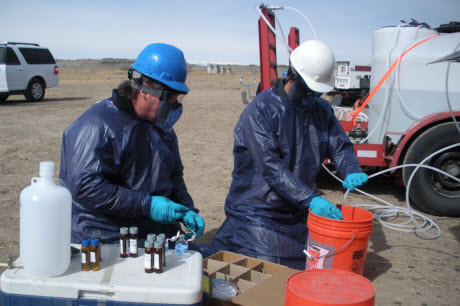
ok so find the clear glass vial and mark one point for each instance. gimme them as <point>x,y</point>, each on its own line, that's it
<point>181,247</point>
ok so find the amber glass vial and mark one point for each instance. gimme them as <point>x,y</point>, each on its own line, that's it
<point>133,252</point>
<point>94,249</point>
<point>158,257</point>
<point>97,234</point>
<point>85,255</point>
<point>124,242</point>
<point>148,260</point>
<point>162,239</point>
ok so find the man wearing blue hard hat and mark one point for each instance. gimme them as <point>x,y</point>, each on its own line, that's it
<point>280,142</point>
<point>120,159</point>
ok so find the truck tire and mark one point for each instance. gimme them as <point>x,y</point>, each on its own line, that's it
<point>35,91</point>
<point>431,191</point>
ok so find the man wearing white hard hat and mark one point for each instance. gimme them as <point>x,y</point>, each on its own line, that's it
<point>280,142</point>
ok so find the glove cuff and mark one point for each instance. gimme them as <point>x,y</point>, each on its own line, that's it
<point>145,203</point>
<point>306,203</point>
<point>314,200</point>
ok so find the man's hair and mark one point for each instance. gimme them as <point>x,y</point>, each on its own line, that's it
<point>126,89</point>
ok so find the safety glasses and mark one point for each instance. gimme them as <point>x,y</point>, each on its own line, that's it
<point>171,96</point>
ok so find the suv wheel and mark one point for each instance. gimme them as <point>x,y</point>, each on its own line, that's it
<point>3,98</point>
<point>35,91</point>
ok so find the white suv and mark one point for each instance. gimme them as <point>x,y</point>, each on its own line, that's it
<point>26,69</point>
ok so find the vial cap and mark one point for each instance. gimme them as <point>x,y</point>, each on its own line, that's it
<point>133,230</point>
<point>46,169</point>
<point>160,238</point>
<point>148,244</point>
<point>94,242</point>
<point>151,237</point>
<point>85,242</point>
<point>124,230</point>
<point>158,245</point>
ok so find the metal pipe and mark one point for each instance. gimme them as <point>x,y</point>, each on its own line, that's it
<point>10,264</point>
<point>6,265</point>
<point>248,85</point>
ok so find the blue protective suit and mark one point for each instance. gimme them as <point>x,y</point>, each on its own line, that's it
<point>113,162</point>
<point>279,146</point>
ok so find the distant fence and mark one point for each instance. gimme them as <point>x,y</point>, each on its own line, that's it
<point>125,64</point>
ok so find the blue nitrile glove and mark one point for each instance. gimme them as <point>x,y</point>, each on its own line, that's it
<point>354,180</point>
<point>322,207</point>
<point>194,222</point>
<point>166,211</point>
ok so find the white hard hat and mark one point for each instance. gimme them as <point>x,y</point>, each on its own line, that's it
<point>314,62</point>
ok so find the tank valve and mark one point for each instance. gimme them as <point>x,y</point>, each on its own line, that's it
<point>358,132</point>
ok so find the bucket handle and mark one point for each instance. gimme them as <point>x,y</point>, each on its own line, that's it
<point>327,255</point>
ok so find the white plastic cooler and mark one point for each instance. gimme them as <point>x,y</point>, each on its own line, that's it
<point>119,281</point>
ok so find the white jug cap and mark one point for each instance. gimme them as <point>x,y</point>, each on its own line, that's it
<point>46,169</point>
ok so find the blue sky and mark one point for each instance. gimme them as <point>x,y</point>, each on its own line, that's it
<point>210,31</point>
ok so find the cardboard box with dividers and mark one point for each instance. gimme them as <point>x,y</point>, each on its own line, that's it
<point>259,282</point>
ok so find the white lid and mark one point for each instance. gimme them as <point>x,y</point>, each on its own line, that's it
<point>46,169</point>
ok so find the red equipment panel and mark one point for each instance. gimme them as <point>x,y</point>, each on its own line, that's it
<point>293,38</point>
<point>370,154</point>
<point>267,50</point>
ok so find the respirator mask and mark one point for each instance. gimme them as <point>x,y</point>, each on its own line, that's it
<point>163,111</point>
<point>300,92</point>
<point>167,115</point>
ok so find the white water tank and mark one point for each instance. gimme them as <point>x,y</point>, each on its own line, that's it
<point>422,87</point>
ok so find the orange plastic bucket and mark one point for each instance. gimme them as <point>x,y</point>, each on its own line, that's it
<point>339,244</point>
<point>328,287</point>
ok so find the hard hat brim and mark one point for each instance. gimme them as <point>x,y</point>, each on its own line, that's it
<point>181,87</point>
<point>316,86</point>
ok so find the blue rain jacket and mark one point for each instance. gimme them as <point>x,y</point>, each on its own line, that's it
<point>279,146</point>
<point>112,163</point>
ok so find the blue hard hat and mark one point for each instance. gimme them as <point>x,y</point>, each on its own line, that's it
<point>165,64</point>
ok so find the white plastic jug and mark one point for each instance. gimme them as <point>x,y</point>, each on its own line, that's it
<point>45,216</point>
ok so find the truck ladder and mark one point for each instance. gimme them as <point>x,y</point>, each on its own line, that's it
<point>293,38</point>
<point>267,50</point>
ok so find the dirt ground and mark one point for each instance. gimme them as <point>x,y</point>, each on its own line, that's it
<point>406,268</point>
